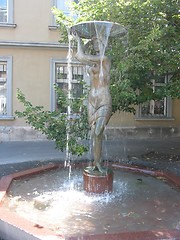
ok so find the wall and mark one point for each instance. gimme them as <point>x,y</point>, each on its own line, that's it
<point>32,19</point>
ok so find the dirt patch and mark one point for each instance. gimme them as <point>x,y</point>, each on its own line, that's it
<point>156,156</point>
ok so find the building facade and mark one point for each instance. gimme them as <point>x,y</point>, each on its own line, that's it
<point>33,60</point>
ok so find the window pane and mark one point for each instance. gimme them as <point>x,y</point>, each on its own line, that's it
<point>62,81</point>
<point>61,73</point>
<point>3,89</point>
<point>3,11</point>
<point>156,108</point>
<point>64,87</point>
<point>77,73</point>
<point>77,89</point>
<point>63,5</point>
<point>159,108</point>
<point>161,79</point>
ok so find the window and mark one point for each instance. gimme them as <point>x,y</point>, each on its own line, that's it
<point>64,6</point>
<point>59,77</point>
<point>155,109</point>
<point>6,12</point>
<point>3,11</point>
<point>5,87</point>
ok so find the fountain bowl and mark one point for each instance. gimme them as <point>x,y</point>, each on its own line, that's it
<point>88,29</point>
<point>14,227</point>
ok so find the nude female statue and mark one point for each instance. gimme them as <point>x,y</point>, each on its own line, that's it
<point>99,99</point>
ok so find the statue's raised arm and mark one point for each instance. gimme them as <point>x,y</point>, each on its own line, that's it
<point>81,47</point>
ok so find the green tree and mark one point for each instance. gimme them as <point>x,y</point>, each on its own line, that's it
<point>150,50</point>
<point>57,125</point>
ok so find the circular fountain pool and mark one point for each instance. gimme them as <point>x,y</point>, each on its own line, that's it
<point>56,200</point>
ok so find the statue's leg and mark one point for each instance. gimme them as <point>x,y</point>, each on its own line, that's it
<point>97,150</point>
<point>97,143</point>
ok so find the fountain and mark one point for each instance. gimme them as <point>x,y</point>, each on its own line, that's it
<point>43,203</point>
<point>98,202</point>
<point>97,179</point>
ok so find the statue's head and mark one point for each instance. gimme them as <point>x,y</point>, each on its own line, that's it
<point>98,44</point>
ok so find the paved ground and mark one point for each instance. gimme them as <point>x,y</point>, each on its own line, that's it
<point>152,153</point>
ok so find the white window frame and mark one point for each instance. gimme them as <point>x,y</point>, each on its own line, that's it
<point>167,101</point>
<point>53,63</point>
<point>8,115</point>
<point>10,15</point>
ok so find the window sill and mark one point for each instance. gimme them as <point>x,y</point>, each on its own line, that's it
<point>53,27</point>
<point>6,118</point>
<point>155,119</point>
<point>8,25</point>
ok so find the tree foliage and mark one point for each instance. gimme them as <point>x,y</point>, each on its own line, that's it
<point>150,50</point>
<point>57,125</point>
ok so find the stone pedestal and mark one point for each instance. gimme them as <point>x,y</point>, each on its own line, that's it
<point>96,182</point>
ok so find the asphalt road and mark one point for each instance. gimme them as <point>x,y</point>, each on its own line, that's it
<point>152,153</point>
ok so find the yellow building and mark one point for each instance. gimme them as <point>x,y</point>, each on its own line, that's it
<point>32,59</point>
